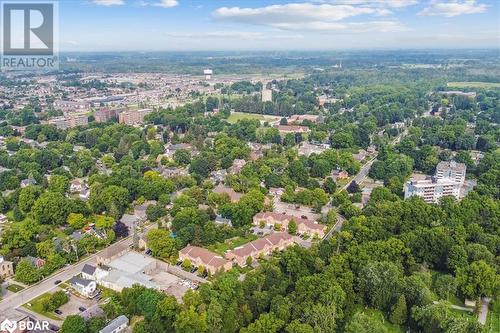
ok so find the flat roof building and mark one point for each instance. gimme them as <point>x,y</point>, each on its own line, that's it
<point>432,189</point>
<point>451,170</point>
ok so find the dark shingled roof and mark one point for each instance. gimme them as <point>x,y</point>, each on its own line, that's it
<point>88,269</point>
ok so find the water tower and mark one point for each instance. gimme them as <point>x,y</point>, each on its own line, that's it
<point>208,74</point>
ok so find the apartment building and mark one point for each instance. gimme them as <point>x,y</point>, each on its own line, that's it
<point>451,170</point>
<point>304,226</point>
<point>69,121</point>
<point>133,117</point>
<point>199,256</point>
<point>432,189</point>
<point>105,115</point>
<point>277,241</point>
<point>447,181</point>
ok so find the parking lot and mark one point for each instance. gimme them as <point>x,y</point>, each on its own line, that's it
<point>74,304</point>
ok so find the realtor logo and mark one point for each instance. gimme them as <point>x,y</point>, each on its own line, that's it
<point>29,35</point>
<point>24,325</point>
<point>8,326</point>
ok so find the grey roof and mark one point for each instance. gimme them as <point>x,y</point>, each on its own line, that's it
<point>28,181</point>
<point>129,220</point>
<point>76,235</point>
<point>114,324</point>
<point>88,269</point>
<point>80,281</point>
<point>131,262</point>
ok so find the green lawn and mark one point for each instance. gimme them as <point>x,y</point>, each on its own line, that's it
<point>235,116</point>
<point>15,288</point>
<point>474,84</point>
<point>36,306</point>
<point>221,248</point>
<point>493,321</point>
<point>373,313</point>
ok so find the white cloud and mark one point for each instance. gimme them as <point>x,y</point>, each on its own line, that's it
<point>383,3</point>
<point>166,3</point>
<point>351,27</point>
<point>453,8</point>
<point>109,2</point>
<point>293,12</point>
<point>310,17</point>
<point>231,35</point>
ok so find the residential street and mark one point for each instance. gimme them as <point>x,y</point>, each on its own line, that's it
<point>9,304</point>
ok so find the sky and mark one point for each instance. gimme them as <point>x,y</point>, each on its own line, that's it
<point>196,25</point>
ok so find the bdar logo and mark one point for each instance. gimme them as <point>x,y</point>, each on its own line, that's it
<point>8,326</point>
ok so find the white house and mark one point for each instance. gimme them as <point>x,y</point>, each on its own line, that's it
<point>84,287</point>
<point>117,325</point>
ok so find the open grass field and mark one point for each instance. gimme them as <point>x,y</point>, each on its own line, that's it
<point>35,305</point>
<point>235,116</point>
<point>474,84</point>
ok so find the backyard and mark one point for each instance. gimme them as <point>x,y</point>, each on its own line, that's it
<point>230,244</point>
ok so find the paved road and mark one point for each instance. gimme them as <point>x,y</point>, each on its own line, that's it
<point>483,312</point>
<point>9,304</point>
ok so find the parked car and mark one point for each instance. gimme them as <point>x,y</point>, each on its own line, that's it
<point>57,281</point>
<point>59,312</point>
<point>53,328</point>
<point>81,308</point>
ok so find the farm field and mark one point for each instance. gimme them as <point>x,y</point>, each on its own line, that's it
<point>474,84</point>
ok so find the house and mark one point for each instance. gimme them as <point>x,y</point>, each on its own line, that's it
<point>199,256</point>
<point>361,155</point>
<point>83,286</point>
<point>304,226</point>
<point>76,186</point>
<point>219,220</point>
<point>277,241</point>
<point>84,194</point>
<point>130,221</point>
<point>233,195</point>
<point>339,174</point>
<point>172,148</point>
<point>306,149</point>
<point>88,272</point>
<point>76,235</point>
<point>218,176</point>
<point>6,268</point>
<point>238,164</point>
<point>140,210</point>
<point>27,182</point>
<point>173,172</point>
<point>117,325</point>
<point>37,262</point>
